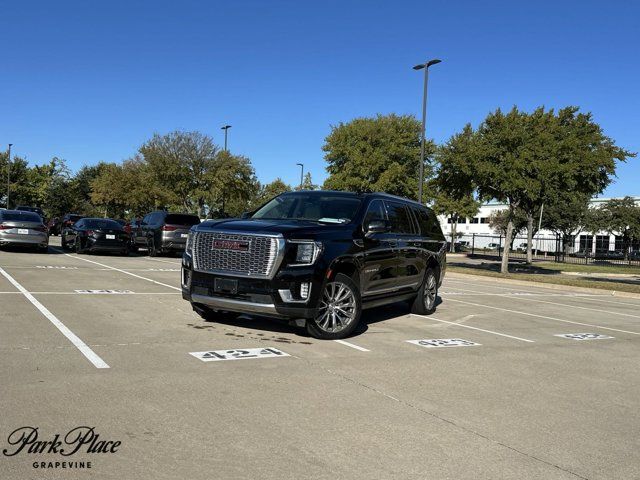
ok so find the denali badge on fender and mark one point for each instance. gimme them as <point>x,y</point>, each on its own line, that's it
<point>239,245</point>
<point>317,258</point>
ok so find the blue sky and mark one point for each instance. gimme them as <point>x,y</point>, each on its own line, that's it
<point>90,81</point>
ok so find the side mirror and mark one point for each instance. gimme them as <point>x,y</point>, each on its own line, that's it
<point>245,215</point>
<point>378,226</point>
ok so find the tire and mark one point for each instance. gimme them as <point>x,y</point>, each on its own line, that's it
<point>125,252</point>
<point>151,248</point>
<point>338,311</point>
<point>65,245</point>
<point>43,249</point>
<point>425,301</point>
<point>78,245</point>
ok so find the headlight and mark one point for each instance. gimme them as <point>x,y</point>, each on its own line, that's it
<point>306,253</point>
<point>189,246</point>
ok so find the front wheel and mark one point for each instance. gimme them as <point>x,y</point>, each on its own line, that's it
<point>338,311</point>
<point>425,301</point>
<point>78,243</point>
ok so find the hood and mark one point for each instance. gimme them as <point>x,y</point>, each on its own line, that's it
<point>288,228</point>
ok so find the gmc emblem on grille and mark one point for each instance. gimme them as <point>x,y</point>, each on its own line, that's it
<point>238,245</point>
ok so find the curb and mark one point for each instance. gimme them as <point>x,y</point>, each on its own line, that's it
<point>550,286</point>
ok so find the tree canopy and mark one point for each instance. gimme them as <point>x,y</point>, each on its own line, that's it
<point>376,154</point>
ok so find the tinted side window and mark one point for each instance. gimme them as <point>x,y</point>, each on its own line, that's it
<point>399,217</point>
<point>79,224</point>
<point>425,223</point>
<point>375,211</point>
<point>429,224</point>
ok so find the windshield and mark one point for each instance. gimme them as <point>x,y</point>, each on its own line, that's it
<point>325,208</point>
<point>20,217</point>
<point>102,224</point>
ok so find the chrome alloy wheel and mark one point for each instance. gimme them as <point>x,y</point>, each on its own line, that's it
<point>337,308</point>
<point>430,291</point>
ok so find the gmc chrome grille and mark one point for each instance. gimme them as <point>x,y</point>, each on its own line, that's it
<point>258,260</point>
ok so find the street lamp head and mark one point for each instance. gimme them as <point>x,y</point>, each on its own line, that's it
<point>225,127</point>
<point>300,164</point>
<point>428,64</point>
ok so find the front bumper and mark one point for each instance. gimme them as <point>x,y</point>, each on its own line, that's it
<point>255,296</point>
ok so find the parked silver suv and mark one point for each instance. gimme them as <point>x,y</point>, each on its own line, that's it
<point>162,232</point>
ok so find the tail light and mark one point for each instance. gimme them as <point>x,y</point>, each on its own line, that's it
<point>90,232</point>
<point>5,227</point>
<point>169,228</point>
<point>41,228</point>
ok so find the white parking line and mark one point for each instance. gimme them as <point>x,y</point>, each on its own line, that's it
<point>524,296</point>
<point>121,271</point>
<point>473,328</point>
<point>580,307</point>
<point>357,347</point>
<point>542,316</point>
<point>72,337</point>
<point>80,293</point>
<point>177,262</point>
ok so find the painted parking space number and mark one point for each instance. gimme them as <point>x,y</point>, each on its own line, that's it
<point>104,292</point>
<point>584,336</point>
<point>443,342</point>
<point>239,354</point>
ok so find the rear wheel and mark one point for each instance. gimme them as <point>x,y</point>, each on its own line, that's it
<point>65,245</point>
<point>338,311</point>
<point>425,301</point>
<point>151,248</point>
<point>78,245</point>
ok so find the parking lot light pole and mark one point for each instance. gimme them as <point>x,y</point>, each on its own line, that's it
<point>424,66</point>
<point>301,173</point>
<point>225,128</point>
<point>8,174</point>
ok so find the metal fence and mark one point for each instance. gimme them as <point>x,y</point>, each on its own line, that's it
<point>580,249</point>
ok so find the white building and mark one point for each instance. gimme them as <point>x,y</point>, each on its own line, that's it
<point>478,230</point>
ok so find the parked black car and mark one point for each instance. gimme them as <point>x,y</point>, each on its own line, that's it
<point>318,258</point>
<point>162,232</point>
<point>95,235</point>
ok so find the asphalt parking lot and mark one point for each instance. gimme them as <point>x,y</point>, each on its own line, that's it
<point>107,342</point>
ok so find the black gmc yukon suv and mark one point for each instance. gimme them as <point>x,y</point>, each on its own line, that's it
<point>318,258</point>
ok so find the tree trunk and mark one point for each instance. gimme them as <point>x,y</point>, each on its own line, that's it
<point>505,252</point>
<point>454,228</point>
<point>529,239</point>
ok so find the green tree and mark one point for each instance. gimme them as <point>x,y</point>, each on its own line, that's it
<point>268,191</point>
<point>566,215</point>
<point>233,185</point>
<point>452,187</point>
<point>376,154</point>
<point>182,163</point>
<point>620,217</point>
<point>109,190</point>
<point>307,183</point>
<point>525,159</point>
